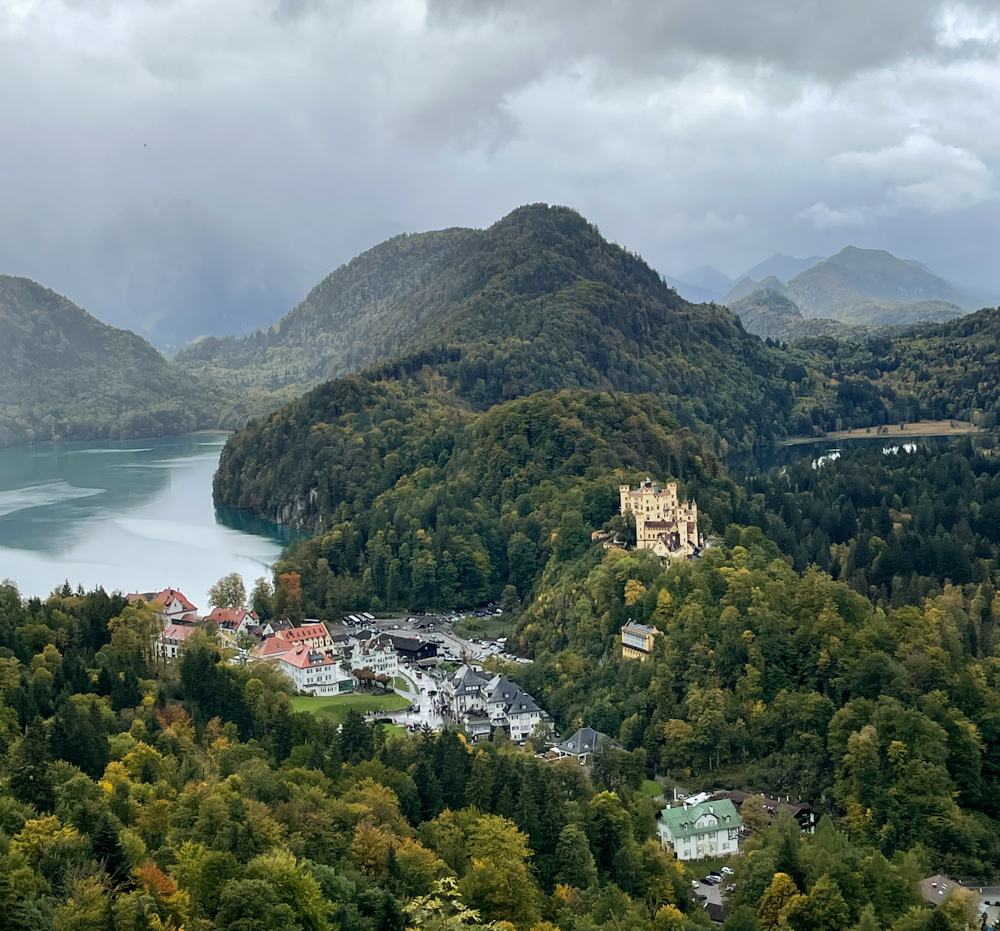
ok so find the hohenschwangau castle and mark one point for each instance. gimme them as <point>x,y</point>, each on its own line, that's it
<point>662,523</point>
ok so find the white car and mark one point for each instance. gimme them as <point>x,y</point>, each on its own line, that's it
<point>695,884</point>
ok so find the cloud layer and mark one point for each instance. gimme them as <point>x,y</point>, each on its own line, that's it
<point>695,132</point>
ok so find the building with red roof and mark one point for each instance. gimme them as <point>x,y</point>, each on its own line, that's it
<point>232,620</point>
<point>313,634</point>
<point>172,604</point>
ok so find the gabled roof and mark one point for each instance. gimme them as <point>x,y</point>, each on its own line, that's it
<point>937,887</point>
<point>306,632</point>
<point>380,643</point>
<point>178,632</point>
<point>523,703</point>
<point>303,658</point>
<point>230,615</point>
<point>504,691</point>
<point>683,821</point>
<point>585,740</point>
<point>169,594</point>
<point>273,647</point>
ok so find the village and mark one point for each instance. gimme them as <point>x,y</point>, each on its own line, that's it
<point>445,680</point>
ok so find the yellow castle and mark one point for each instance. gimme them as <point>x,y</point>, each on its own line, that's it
<point>663,524</point>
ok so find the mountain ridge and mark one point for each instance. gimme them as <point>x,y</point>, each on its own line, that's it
<point>65,375</point>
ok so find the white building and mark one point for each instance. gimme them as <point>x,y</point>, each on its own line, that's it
<point>171,642</point>
<point>377,654</point>
<point>314,672</point>
<point>485,703</point>
<point>708,829</point>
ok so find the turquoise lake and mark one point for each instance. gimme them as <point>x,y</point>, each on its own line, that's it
<point>134,515</point>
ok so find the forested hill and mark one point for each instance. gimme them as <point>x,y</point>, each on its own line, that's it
<point>537,301</point>
<point>64,375</point>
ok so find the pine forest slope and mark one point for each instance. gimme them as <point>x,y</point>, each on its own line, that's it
<point>538,301</point>
<point>64,375</point>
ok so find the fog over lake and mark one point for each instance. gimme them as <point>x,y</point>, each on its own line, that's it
<point>134,515</point>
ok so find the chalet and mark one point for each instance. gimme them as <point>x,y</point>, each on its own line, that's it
<point>413,650</point>
<point>637,640</point>
<point>708,829</point>
<point>314,672</point>
<point>581,745</point>
<point>170,644</point>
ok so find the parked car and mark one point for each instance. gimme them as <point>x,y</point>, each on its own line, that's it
<point>695,884</point>
<point>727,871</point>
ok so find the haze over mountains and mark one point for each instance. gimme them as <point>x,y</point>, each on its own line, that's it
<point>172,273</point>
<point>537,301</point>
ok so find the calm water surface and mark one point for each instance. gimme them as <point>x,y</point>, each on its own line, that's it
<point>134,515</point>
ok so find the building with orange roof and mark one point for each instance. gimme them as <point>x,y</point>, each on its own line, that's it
<point>313,634</point>
<point>314,672</point>
<point>171,603</point>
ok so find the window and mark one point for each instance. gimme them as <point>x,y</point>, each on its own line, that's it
<point>725,845</point>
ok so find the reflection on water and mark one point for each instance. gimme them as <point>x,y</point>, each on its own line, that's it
<point>130,515</point>
<point>245,522</point>
<point>768,457</point>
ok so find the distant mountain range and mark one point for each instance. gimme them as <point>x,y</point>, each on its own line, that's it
<point>858,286</point>
<point>866,287</point>
<point>172,273</point>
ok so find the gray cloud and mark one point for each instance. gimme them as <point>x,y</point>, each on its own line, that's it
<point>695,132</point>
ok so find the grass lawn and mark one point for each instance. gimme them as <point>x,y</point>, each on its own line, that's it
<point>482,628</point>
<point>393,731</point>
<point>399,682</point>
<point>337,706</point>
<point>651,788</point>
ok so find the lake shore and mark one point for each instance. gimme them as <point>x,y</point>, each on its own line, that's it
<point>920,428</point>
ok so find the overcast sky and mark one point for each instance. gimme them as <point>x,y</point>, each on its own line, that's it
<point>693,131</point>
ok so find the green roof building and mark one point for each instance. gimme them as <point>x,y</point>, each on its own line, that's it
<point>710,829</point>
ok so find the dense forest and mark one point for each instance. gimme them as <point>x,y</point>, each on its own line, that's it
<point>66,376</point>
<point>538,301</point>
<point>420,503</point>
<point>142,796</point>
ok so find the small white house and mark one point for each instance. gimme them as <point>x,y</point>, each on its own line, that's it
<point>171,642</point>
<point>708,829</point>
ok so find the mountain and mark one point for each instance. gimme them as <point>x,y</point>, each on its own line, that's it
<point>537,301</point>
<point>175,273</point>
<point>781,267</point>
<point>746,286</point>
<point>709,278</point>
<point>64,375</point>
<point>835,287</point>
<point>691,292</point>
<point>769,314</point>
